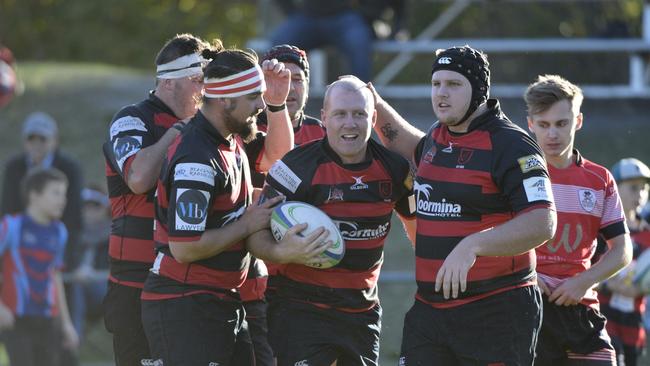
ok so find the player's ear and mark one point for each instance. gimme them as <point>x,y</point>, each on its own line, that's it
<point>530,124</point>
<point>579,119</point>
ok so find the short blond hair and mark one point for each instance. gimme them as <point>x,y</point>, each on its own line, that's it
<point>550,89</point>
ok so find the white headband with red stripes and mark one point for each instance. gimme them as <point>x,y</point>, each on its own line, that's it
<point>242,83</point>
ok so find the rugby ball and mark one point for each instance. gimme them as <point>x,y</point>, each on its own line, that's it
<point>290,213</point>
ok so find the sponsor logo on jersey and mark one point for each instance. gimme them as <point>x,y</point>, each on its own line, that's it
<point>285,176</point>
<point>335,194</point>
<point>587,198</point>
<point>386,188</point>
<point>358,184</point>
<point>538,189</point>
<point>442,208</point>
<point>428,157</point>
<point>351,230</point>
<point>531,162</point>
<point>194,172</point>
<point>444,60</point>
<point>127,123</point>
<point>191,209</point>
<point>464,157</point>
<point>402,361</point>
<point>301,363</point>
<point>449,149</point>
<point>124,147</point>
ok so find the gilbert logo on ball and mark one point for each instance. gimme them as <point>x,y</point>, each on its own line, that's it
<point>291,213</point>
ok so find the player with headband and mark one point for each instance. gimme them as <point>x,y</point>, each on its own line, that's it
<point>138,139</point>
<point>191,309</point>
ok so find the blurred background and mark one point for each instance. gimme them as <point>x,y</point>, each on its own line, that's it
<point>82,60</point>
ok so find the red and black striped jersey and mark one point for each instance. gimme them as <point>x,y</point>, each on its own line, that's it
<point>625,314</point>
<point>131,248</point>
<point>470,182</point>
<point>360,198</point>
<point>308,129</point>
<point>587,203</point>
<point>204,184</point>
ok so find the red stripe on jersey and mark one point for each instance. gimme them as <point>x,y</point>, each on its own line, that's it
<point>463,176</point>
<point>357,209</point>
<point>630,335</point>
<point>308,133</point>
<point>130,249</point>
<point>165,120</point>
<point>131,205</point>
<point>126,283</point>
<point>195,274</point>
<point>331,173</point>
<point>156,296</point>
<point>253,288</point>
<point>333,277</point>
<point>477,140</point>
<point>485,268</point>
<point>461,228</point>
<point>9,290</point>
<point>467,300</point>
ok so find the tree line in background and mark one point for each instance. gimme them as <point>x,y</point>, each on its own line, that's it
<point>129,32</point>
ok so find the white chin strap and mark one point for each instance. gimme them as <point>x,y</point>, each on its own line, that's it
<point>242,83</point>
<point>183,66</point>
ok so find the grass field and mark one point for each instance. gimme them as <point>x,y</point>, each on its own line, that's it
<point>84,97</point>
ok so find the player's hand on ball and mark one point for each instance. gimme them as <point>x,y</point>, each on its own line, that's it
<point>257,216</point>
<point>307,249</point>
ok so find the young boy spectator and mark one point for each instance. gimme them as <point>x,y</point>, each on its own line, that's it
<point>33,308</point>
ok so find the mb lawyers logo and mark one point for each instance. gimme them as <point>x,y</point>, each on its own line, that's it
<point>191,209</point>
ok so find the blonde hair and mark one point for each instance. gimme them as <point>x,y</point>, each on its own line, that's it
<point>549,89</point>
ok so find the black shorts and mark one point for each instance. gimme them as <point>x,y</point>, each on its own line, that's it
<point>576,329</point>
<point>197,330</point>
<point>259,329</point>
<point>122,319</point>
<point>498,330</point>
<point>304,334</point>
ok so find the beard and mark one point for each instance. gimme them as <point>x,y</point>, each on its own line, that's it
<point>244,129</point>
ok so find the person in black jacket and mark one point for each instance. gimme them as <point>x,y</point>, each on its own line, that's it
<point>40,150</point>
<point>40,138</point>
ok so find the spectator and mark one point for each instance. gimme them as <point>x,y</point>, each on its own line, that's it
<point>33,308</point>
<point>317,23</point>
<point>621,302</point>
<point>40,136</point>
<point>90,285</point>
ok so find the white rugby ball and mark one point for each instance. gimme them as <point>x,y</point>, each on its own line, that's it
<point>642,272</point>
<point>290,213</point>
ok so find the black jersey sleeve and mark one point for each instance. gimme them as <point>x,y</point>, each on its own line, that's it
<point>129,132</point>
<point>519,170</point>
<point>193,183</point>
<point>417,154</point>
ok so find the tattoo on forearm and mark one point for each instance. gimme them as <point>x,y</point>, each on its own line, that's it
<point>389,133</point>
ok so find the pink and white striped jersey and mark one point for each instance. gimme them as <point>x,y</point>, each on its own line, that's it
<point>588,204</point>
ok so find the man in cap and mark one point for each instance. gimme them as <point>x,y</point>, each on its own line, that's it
<point>588,205</point>
<point>40,150</point>
<point>622,302</point>
<point>484,203</point>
